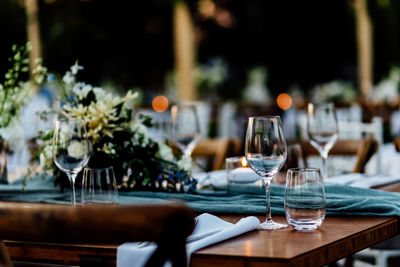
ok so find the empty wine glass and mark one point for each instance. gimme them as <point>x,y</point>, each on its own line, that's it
<point>266,152</point>
<point>185,129</point>
<point>70,149</point>
<point>322,130</point>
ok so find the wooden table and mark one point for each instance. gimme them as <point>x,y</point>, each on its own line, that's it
<point>337,238</point>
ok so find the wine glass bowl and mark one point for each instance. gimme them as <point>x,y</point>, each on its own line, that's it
<point>266,153</point>
<point>322,130</point>
<point>71,149</point>
<point>185,129</point>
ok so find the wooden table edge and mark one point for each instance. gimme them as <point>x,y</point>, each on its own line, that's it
<point>75,253</point>
<point>69,254</point>
<point>333,252</point>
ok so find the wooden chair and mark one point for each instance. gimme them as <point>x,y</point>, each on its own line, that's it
<point>217,149</point>
<point>363,149</point>
<point>396,143</point>
<point>167,225</point>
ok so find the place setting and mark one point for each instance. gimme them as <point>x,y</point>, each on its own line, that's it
<point>199,133</point>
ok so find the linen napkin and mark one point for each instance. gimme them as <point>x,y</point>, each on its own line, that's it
<point>364,181</point>
<point>209,230</point>
<point>214,179</point>
<point>375,180</point>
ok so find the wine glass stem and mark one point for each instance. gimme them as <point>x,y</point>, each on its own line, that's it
<point>267,182</point>
<point>72,177</point>
<point>324,166</point>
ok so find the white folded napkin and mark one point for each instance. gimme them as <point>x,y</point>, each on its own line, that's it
<point>346,178</point>
<point>362,180</point>
<point>216,179</point>
<point>375,180</point>
<point>209,230</point>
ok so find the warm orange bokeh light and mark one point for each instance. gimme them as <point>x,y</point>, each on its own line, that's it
<point>207,8</point>
<point>244,162</point>
<point>160,103</point>
<point>284,101</point>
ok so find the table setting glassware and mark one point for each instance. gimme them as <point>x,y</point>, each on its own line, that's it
<point>305,206</point>
<point>185,128</point>
<point>266,153</point>
<point>99,186</point>
<point>322,130</point>
<point>71,149</point>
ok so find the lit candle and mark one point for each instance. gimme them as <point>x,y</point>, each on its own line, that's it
<point>243,174</point>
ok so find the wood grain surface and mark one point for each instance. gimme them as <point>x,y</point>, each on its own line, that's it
<point>337,238</point>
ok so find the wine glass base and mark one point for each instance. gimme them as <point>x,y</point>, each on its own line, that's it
<point>271,225</point>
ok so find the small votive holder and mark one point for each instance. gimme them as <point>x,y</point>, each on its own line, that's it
<point>241,178</point>
<point>305,206</point>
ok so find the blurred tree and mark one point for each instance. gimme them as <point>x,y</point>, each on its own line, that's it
<point>300,42</point>
<point>130,43</point>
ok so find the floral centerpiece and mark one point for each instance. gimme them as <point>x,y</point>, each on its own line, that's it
<point>339,92</point>
<point>15,92</point>
<point>139,162</point>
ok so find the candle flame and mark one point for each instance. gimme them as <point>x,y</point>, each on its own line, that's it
<point>244,162</point>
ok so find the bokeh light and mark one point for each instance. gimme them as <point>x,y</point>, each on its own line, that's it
<point>160,103</point>
<point>207,8</point>
<point>284,101</point>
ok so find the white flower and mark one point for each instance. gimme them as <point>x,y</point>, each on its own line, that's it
<point>76,149</point>
<point>99,93</point>
<point>75,68</point>
<point>165,152</point>
<point>140,135</point>
<point>185,163</point>
<point>139,128</point>
<point>82,90</point>
<point>68,78</point>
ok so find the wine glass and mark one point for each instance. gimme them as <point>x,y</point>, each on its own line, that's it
<point>322,130</point>
<point>185,129</point>
<point>70,149</point>
<point>266,152</point>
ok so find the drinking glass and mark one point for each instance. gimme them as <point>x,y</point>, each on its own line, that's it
<point>322,130</point>
<point>304,198</point>
<point>266,152</point>
<point>185,129</point>
<point>99,186</point>
<point>70,149</point>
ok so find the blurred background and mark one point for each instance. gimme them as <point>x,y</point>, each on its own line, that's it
<point>236,58</point>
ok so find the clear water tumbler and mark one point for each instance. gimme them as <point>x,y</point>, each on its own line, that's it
<point>304,198</point>
<point>99,186</point>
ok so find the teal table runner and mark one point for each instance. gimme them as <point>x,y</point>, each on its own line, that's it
<point>340,199</point>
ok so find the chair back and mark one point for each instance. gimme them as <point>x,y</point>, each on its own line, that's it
<point>363,149</point>
<point>167,225</point>
<point>351,128</point>
<point>396,143</point>
<point>217,149</point>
